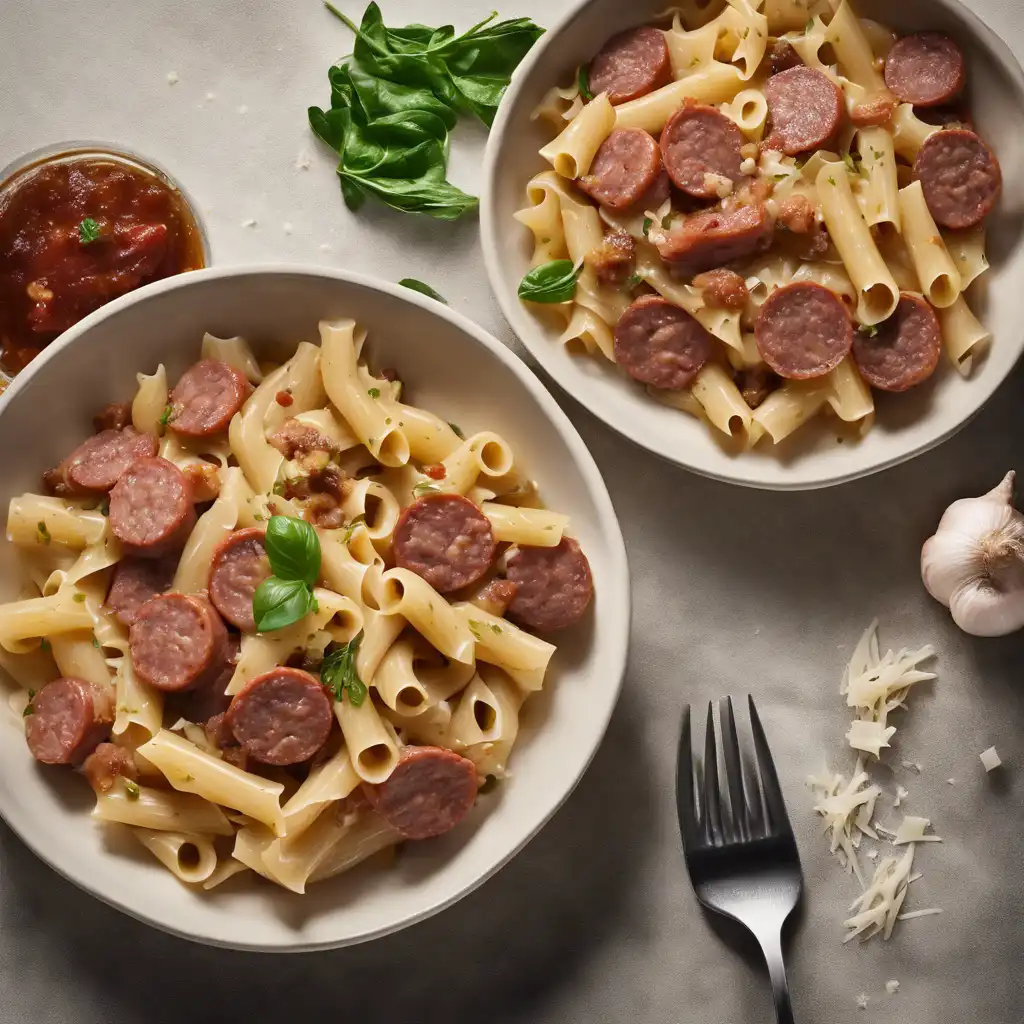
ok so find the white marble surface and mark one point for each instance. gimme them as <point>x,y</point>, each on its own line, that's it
<point>734,591</point>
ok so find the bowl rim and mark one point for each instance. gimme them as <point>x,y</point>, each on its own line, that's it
<point>613,665</point>
<point>540,346</point>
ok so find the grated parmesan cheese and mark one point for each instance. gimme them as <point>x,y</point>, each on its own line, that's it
<point>892,987</point>
<point>172,78</point>
<point>912,829</point>
<point>847,808</point>
<point>990,759</point>
<point>862,1001</point>
<point>901,795</point>
<point>870,736</point>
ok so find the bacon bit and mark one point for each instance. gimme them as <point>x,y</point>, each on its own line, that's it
<point>436,472</point>
<point>284,398</point>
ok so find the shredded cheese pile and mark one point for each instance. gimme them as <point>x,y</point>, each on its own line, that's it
<point>875,685</point>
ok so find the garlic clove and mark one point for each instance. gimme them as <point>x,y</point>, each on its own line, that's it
<point>980,609</point>
<point>949,561</point>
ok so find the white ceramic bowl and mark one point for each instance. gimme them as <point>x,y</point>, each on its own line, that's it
<point>450,366</point>
<point>907,424</point>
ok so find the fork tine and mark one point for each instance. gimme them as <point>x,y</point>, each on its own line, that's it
<point>686,805</point>
<point>776,818</point>
<point>713,818</point>
<point>733,769</point>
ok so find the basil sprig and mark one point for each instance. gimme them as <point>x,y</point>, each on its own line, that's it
<point>395,99</point>
<point>287,596</point>
<point>338,671</point>
<point>550,282</point>
<point>583,82</point>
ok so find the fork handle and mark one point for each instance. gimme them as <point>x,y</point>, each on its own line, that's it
<point>771,945</point>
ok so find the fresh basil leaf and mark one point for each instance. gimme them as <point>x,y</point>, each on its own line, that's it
<point>88,231</point>
<point>338,671</point>
<point>331,126</point>
<point>583,82</point>
<point>550,282</point>
<point>423,289</point>
<point>293,549</point>
<point>278,603</point>
<point>437,199</point>
<point>380,97</point>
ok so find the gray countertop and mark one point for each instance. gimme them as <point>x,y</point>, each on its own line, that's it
<point>735,591</point>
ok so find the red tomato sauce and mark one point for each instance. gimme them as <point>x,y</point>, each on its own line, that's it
<point>76,232</point>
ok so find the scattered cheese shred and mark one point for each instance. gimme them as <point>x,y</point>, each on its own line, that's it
<point>930,912</point>
<point>847,808</point>
<point>172,77</point>
<point>892,987</point>
<point>990,759</point>
<point>901,795</point>
<point>912,830</point>
<point>870,736</point>
<point>878,907</point>
<point>862,1001</point>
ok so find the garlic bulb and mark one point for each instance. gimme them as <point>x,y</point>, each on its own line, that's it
<point>975,562</point>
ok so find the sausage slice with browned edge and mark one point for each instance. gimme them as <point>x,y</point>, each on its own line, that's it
<point>624,169</point>
<point>658,343</point>
<point>101,460</point>
<point>708,240</point>
<point>554,586</point>
<point>281,717</point>
<point>135,581</point>
<point>206,397</point>
<point>631,64</point>
<point>803,330</point>
<point>69,718</point>
<point>960,177</point>
<point>446,539</point>
<point>806,109</point>
<point>239,565</point>
<point>926,69</point>
<point>906,349</point>
<point>177,642</point>
<point>430,791</point>
<point>151,511</point>
<point>699,144</point>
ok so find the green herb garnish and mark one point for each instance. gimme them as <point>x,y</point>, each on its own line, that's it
<point>373,392</point>
<point>457,431</point>
<point>633,281</point>
<point>29,709</point>
<point>550,282</point>
<point>44,533</point>
<point>78,598</point>
<point>648,224</point>
<point>131,789</point>
<point>394,101</point>
<point>423,289</point>
<point>871,330</point>
<point>293,549</point>
<point>165,417</point>
<point>338,671</point>
<point>425,487</point>
<point>583,82</point>
<point>88,231</point>
<point>351,528</point>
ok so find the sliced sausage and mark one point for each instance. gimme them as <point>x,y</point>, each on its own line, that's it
<point>115,416</point>
<point>101,460</point>
<point>926,69</point>
<point>756,384</point>
<point>70,717</point>
<point>135,581</point>
<point>614,259</point>
<point>783,57</point>
<point>206,397</point>
<point>208,698</point>
<point>107,763</point>
<point>803,331</point>
<point>906,349</point>
<point>446,539</point>
<point>281,717</point>
<point>960,176</point>
<point>177,642</point>
<point>554,586</point>
<point>724,289</point>
<point>430,791</point>
<point>239,565</point>
<point>631,65</point>
<point>705,241</point>
<point>697,144</point>
<point>806,109</point>
<point>658,343</point>
<point>624,169</point>
<point>151,510</point>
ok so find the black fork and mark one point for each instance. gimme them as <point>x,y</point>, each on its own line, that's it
<point>739,846</point>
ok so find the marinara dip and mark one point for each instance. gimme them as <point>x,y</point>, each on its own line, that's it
<point>80,229</point>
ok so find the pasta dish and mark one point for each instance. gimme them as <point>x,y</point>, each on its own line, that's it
<point>761,216</point>
<point>280,618</point>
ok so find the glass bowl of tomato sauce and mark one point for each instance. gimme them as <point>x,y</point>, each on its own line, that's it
<point>81,224</point>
